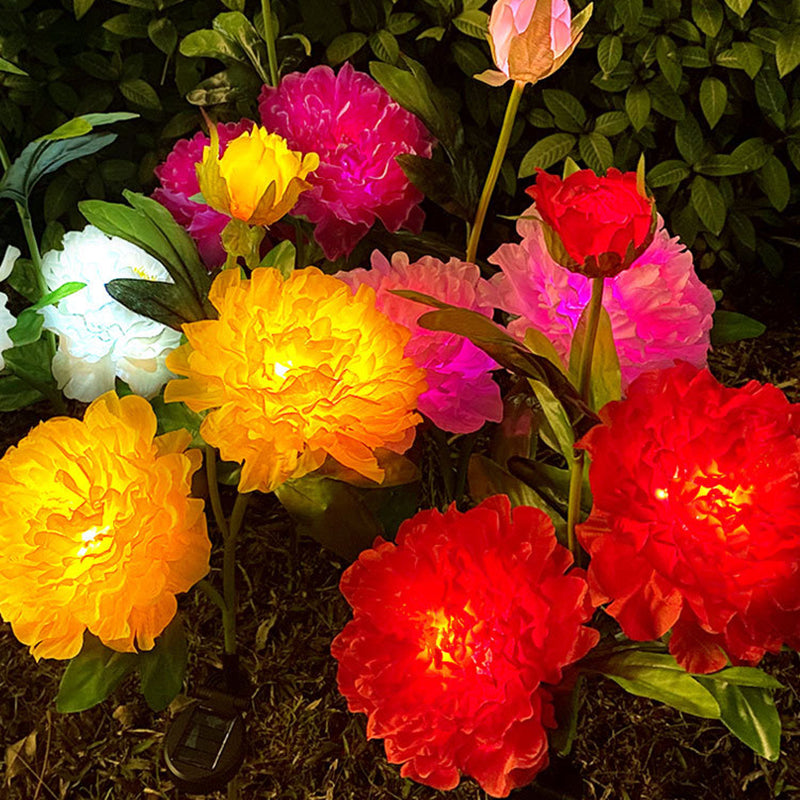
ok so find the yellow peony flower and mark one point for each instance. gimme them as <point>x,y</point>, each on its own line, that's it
<point>296,371</point>
<point>258,178</point>
<point>97,529</point>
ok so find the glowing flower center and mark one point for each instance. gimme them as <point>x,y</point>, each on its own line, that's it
<point>282,369</point>
<point>710,501</point>
<point>448,639</point>
<point>90,539</point>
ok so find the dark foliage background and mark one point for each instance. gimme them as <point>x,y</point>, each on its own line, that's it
<point>707,90</point>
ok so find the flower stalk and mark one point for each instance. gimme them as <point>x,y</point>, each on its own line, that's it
<point>494,169</point>
<point>584,386</point>
<point>269,36</point>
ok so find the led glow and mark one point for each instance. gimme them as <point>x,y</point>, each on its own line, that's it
<point>282,369</point>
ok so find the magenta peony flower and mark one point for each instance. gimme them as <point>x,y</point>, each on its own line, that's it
<point>461,393</point>
<point>357,130</point>
<point>179,183</point>
<point>660,310</point>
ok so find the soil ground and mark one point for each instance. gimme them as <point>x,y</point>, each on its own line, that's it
<point>304,745</point>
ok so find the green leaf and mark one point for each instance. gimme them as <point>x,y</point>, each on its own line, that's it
<point>708,16</point>
<point>141,94</point>
<point>440,182</point>
<point>126,26</point>
<point>629,11</point>
<point>637,106</point>
<point>31,363</point>
<point>385,46</point>
<point>69,130</point>
<point>668,61</point>
<point>605,381</point>
<point>546,152</point>
<point>609,52</point>
<point>551,482</point>
<point>557,418</point>
<point>719,165</point>
<point>709,204</point>
<point>596,151</point>
<point>436,32</point>
<point>27,329</point>
<point>745,676</point>
<point>659,677</point>
<point>80,7</point>
<point>92,675</point>
<point>345,46</point>
<point>611,123</point>
<point>161,669</point>
<point>7,66</point>
<point>330,512</point>
<point>752,154</point>
<point>689,139</point>
<point>713,99</point>
<point>473,23</point>
<point>42,157</point>
<point>413,89</point>
<point>65,290</point>
<point>668,173</point>
<point>163,34</point>
<point>487,478</point>
<point>167,303</point>
<point>402,22</point>
<point>787,50</point>
<point>771,96</point>
<point>749,713</point>
<point>16,393</point>
<point>212,44</point>
<point>470,58</point>
<point>739,7</point>
<point>236,26</point>
<point>731,326</point>
<point>567,112</point>
<point>742,55</point>
<point>773,178</point>
<point>282,257</point>
<point>695,57</point>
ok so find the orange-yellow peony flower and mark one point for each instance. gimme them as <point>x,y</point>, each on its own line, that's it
<point>97,529</point>
<point>296,371</point>
<point>258,178</point>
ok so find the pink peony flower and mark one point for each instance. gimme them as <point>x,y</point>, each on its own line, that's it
<point>461,393</point>
<point>179,182</point>
<point>660,310</point>
<point>357,130</point>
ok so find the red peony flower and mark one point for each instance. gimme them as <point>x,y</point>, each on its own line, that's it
<point>603,224</point>
<point>696,518</point>
<point>357,130</point>
<point>455,630</point>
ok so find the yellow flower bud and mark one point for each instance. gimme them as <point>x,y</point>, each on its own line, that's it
<point>258,178</point>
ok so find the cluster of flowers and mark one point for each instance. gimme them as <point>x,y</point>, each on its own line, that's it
<point>464,626</point>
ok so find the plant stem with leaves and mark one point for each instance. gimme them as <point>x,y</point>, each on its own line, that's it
<point>494,169</point>
<point>584,386</point>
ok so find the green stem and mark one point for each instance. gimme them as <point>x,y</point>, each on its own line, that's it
<point>229,572</point>
<point>213,491</point>
<point>494,170</point>
<point>467,446</point>
<point>584,386</point>
<point>269,35</point>
<point>587,354</point>
<point>446,464</point>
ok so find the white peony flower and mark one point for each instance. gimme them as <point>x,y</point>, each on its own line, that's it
<point>98,337</point>
<point>7,320</point>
